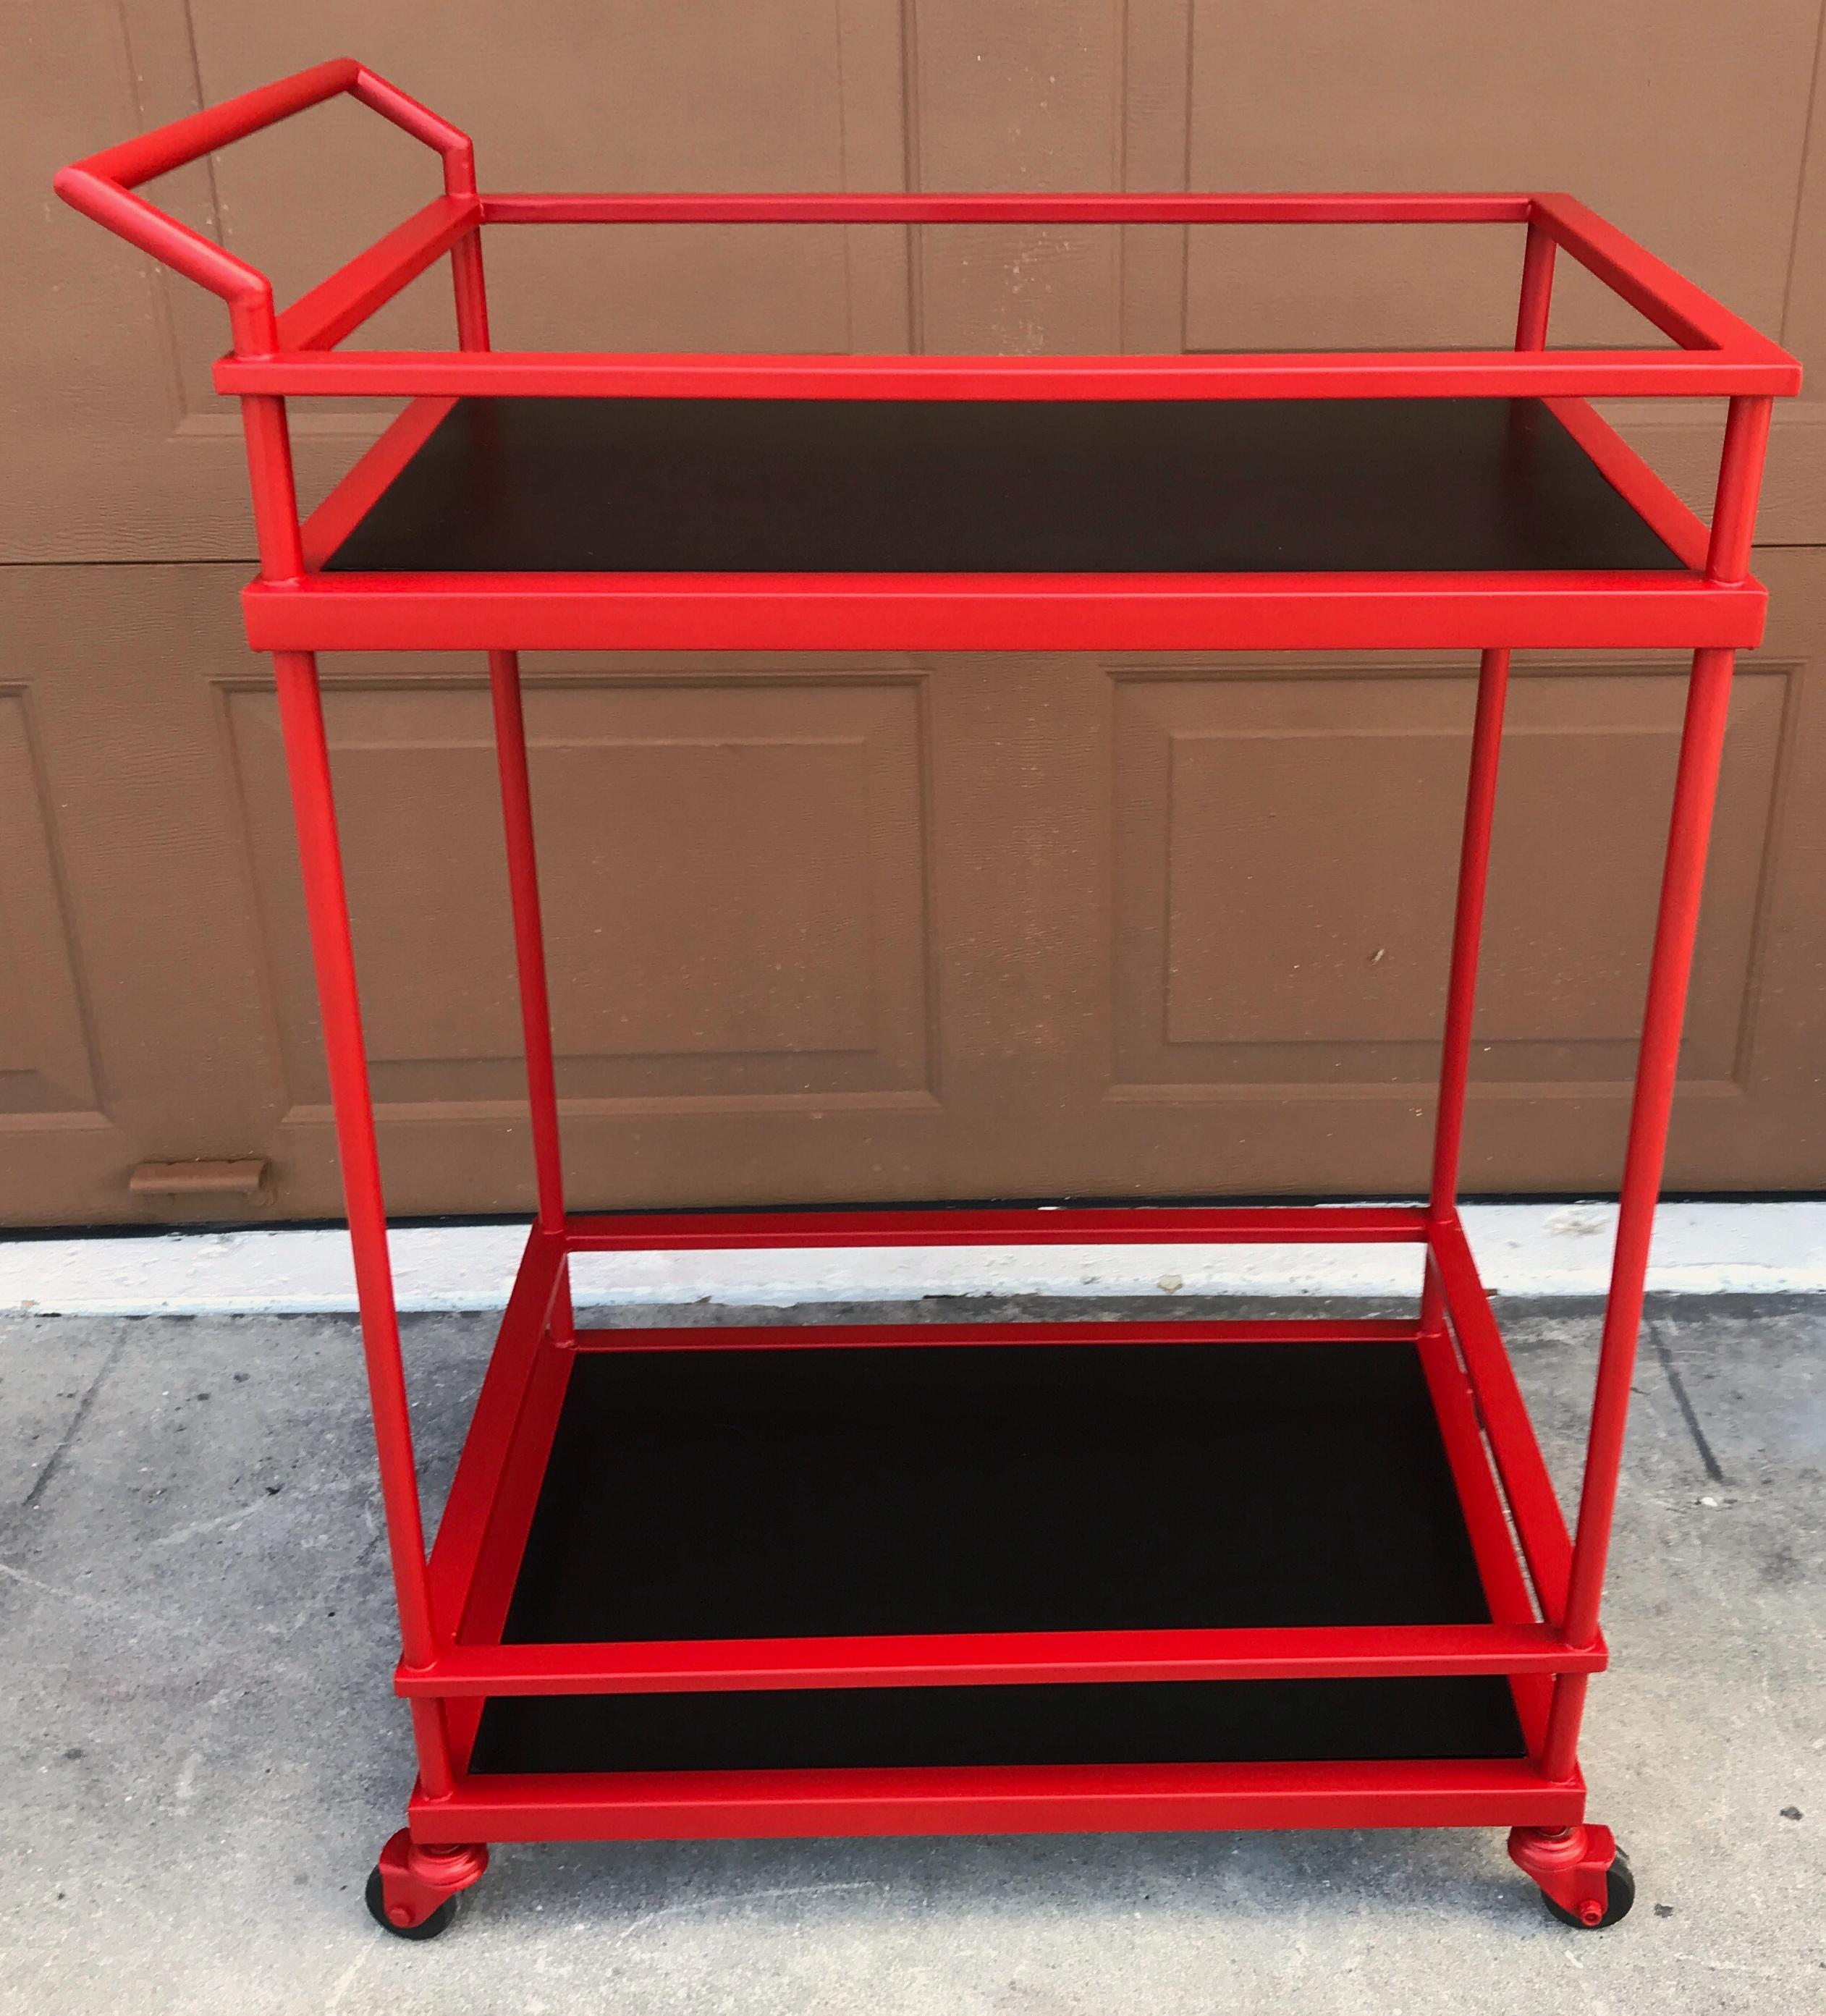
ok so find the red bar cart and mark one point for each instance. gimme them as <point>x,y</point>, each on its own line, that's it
<point>919,1579</point>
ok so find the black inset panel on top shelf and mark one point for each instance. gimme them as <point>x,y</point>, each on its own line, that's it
<point>821,486</point>
<point>705,1493</point>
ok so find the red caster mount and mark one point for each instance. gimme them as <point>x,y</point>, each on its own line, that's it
<point>413,1890</point>
<point>1584,1877</point>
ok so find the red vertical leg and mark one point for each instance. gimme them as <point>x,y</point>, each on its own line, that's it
<point>472,333</point>
<point>529,945</point>
<point>1537,290</point>
<point>1578,1867</point>
<point>1658,1064</point>
<point>1474,864</point>
<point>1532,309</point>
<point>1739,478</point>
<point>269,476</point>
<point>472,300</point>
<point>1733,517</point>
<point>326,903</point>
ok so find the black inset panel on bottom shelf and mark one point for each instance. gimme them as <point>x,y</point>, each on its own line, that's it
<point>709,1493</point>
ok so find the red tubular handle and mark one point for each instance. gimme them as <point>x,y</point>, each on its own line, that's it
<point>101,186</point>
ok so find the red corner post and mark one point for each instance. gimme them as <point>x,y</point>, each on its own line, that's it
<point>103,187</point>
<point>523,874</point>
<point>1657,1065</point>
<point>327,904</point>
<point>1474,856</point>
<point>529,950</point>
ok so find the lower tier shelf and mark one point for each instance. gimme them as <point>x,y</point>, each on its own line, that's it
<point>753,1493</point>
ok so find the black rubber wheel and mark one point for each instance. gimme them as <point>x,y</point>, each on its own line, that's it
<point>439,1920</point>
<point>1619,1894</point>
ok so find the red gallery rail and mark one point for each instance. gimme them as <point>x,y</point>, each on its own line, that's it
<point>1539,1587</point>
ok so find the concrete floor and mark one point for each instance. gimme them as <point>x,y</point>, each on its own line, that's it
<point>199,1755</point>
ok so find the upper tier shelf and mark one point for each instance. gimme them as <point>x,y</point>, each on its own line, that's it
<point>1000,525</point>
<point>801,502</point>
<point>893,487</point>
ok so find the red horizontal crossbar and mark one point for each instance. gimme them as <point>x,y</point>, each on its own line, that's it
<point>1726,355</point>
<point>854,1336</point>
<point>102,186</point>
<point>352,293</point>
<point>787,612</point>
<point>1540,1523</point>
<point>1668,299</point>
<point>1025,207</point>
<point>1058,1798</point>
<point>476,1489</point>
<point>218,126</point>
<point>1437,374</point>
<point>1682,530</point>
<point>362,488</point>
<point>995,1659</point>
<point>1136,1225</point>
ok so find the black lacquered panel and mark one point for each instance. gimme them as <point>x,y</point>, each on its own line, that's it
<point>709,1494</point>
<point>1164,1722</point>
<point>1009,486</point>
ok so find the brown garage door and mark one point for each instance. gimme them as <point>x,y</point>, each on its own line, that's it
<point>861,928</point>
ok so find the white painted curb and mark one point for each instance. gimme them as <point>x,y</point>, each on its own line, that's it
<point>1522,1249</point>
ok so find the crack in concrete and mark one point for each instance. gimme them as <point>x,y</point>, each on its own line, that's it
<point>55,1461</point>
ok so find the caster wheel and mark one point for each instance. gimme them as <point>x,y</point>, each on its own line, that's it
<point>428,1928</point>
<point>1619,1894</point>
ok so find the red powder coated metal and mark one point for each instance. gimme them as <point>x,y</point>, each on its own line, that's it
<point>983,612</point>
<point>1060,1798</point>
<point>1542,1589</point>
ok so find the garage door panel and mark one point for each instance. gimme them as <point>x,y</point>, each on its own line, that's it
<point>1284,855</point>
<point>1017,97</point>
<point>995,1023</point>
<point>407,850</point>
<point>134,457</point>
<point>890,929</point>
<point>689,95</point>
<point>1581,829</point>
<point>684,287</point>
<point>1234,791</point>
<point>741,905</point>
<point>1413,96</point>
<point>46,1063</point>
<point>734,875</point>
<point>1701,151</point>
<point>130,1023</point>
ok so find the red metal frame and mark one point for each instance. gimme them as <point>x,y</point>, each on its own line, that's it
<point>1543,1586</point>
